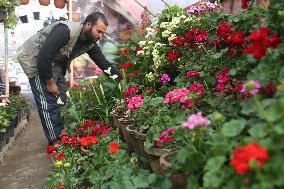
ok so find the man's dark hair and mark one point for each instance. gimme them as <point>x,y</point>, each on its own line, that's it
<point>94,17</point>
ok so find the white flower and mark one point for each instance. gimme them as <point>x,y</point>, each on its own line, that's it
<point>164,24</point>
<point>150,76</point>
<point>114,76</point>
<point>166,33</point>
<point>142,43</point>
<point>92,77</point>
<point>108,71</point>
<point>2,104</point>
<point>140,53</point>
<point>150,42</point>
<point>155,52</point>
<point>173,36</point>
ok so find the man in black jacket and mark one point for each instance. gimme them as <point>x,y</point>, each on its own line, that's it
<point>46,56</point>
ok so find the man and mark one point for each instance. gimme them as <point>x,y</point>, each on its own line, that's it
<point>45,57</point>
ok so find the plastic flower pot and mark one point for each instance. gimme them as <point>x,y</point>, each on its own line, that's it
<point>36,15</point>
<point>24,19</point>
<point>178,179</point>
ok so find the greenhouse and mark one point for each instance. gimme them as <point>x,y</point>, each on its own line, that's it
<point>141,94</point>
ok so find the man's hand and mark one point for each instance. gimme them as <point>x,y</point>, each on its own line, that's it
<point>52,87</point>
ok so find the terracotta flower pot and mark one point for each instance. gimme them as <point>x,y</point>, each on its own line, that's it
<point>122,124</point>
<point>154,155</point>
<point>137,139</point>
<point>59,4</point>
<point>44,2</point>
<point>178,179</point>
<point>24,2</point>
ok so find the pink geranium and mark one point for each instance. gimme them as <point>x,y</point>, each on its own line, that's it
<point>177,95</point>
<point>165,79</point>
<point>251,87</point>
<point>135,102</point>
<point>196,120</point>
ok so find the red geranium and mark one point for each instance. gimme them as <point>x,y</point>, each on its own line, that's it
<point>224,30</point>
<point>173,55</point>
<point>60,156</point>
<point>114,147</point>
<point>127,65</point>
<point>178,41</point>
<point>243,155</point>
<point>60,187</point>
<point>245,4</point>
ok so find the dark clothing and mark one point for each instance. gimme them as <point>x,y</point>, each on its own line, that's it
<point>59,37</point>
<point>48,109</point>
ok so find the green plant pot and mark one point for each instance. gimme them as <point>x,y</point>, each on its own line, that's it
<point>179,178</point>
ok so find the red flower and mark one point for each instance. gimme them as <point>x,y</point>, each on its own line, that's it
<point>60,187</point>
<point>173,56</point>
<point>166,136</point>
<point>235,39</point>
<point>64,134</point>
<point>75,84</point>
<point>224,30</point>
<point>84,141</point>
<point>93,140</point>
<point>244,154</point>
<point>50,149</point>
<point>60,156</point>
<point>191,73</point>
<point>196,87</point>
<point>131,91</point>
<point>127,66</point>
<point>274,41</point>
<point>178,41</point>
<point>269,89</point>
<point>245,4</point>
<point>114,147</point>
<point>123,51</point>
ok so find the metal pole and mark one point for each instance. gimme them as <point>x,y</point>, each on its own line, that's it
<point>165,3</point>
<point>144,7</point>
<point>72,62</point>
<point>6,62</point>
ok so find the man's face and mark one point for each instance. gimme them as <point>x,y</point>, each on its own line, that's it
<point>96,32</point>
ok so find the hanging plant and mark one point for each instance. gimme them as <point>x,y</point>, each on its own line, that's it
<point>59,4</point>
<point>7,12</point>
<point>44,2</point>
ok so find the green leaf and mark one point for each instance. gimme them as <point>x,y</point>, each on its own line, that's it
<point>233,128</point>
<point>258,130</point>
<point>182,155</point>
<point>214,163</point>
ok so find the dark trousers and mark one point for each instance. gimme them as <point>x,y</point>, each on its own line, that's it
<point>48,109</point>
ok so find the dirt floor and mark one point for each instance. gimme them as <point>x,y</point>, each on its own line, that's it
<point>27,165</point>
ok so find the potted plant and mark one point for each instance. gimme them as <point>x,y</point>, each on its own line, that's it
<point>7,12</point>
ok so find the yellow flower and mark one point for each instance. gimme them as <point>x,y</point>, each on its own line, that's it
<point>58,163</point>
<point>66,165</point>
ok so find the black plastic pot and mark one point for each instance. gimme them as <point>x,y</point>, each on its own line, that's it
<point>24,19</point>
<point>36,15</point>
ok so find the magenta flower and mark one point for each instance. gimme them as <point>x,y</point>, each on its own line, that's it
<point>196,120</point>
<point>251,87</point>
<point>176,95</point>
<point>135,102</point>
<point>191,73</point>
<point>165,79</point>
<point>197,88</point>
<point>166,137</point>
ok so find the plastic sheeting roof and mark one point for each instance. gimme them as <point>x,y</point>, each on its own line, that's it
<point>154,6</point>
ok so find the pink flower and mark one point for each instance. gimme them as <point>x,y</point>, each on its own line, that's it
<point>252,87</point>
<point>165,79</point>
<point>177,95</point>
<point>196,87</point>
<point>135,102</point>
<point>196,120</point>
<point>191,73</point>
